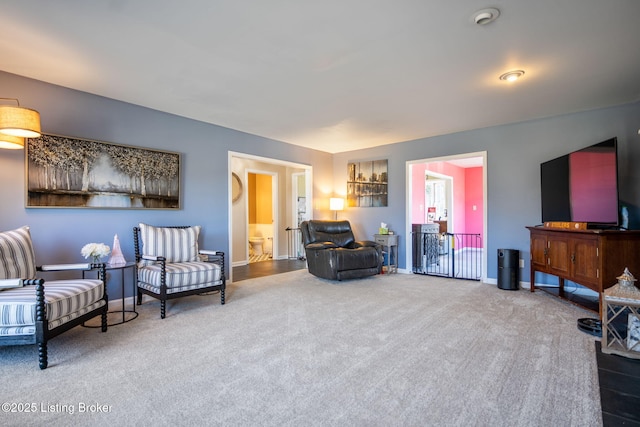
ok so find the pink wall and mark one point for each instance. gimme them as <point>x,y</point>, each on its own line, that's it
<point>467,192</point>
<point>474,197</point>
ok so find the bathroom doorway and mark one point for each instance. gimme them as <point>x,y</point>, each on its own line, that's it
<point>262,224</point>
<point>285,210</point>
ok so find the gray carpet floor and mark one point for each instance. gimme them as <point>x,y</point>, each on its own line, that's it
<point>295,350</point>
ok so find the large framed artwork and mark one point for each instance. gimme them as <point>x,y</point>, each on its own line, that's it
<point>367,183</point>
<point>69,172</point>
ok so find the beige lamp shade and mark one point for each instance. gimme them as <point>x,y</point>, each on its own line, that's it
<point>11,142</point>
<point>336,204</point>
<point>18,121</point>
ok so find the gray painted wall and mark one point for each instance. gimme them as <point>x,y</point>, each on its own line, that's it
<point>514,154</point>
<point>59,234</point>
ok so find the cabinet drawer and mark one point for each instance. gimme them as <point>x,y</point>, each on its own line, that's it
<point>386,239</point>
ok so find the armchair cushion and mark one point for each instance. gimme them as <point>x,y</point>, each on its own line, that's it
<point>180,277</point>
<point>17,259</point>
<point>64,300</point>
<point>174,244</point>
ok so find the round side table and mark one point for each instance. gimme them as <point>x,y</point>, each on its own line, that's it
<point>123,315</point>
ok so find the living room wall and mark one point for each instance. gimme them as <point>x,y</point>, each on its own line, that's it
<point>60,233</point>
<point>514,154</point>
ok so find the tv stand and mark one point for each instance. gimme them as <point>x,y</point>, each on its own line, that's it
<point>591,258</point>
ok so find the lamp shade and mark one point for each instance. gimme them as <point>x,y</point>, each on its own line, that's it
<point>336,204</point>
<point>18,121</point>
<point>11,142</point>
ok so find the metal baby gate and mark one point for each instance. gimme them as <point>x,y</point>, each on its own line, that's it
<point>455,255</point>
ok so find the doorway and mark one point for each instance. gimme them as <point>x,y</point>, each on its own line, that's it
<point>284,213</point>
<point>459,183</point>
<point>262,215</point>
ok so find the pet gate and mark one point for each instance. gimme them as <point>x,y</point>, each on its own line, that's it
<point>455,255</point>
<point>295,248</point>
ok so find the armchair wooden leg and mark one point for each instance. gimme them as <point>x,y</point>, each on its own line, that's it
<point>42,355</point>
<point>104,321</point>
<point>163,308</point>
<point>139,298</point>
<point>222,296</point>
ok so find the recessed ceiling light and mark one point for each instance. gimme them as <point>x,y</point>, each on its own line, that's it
<point>485,16</point>
<point>511,76</point>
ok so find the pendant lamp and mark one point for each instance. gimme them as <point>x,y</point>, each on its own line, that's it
<point>19,121</point>
<point>11,142</point>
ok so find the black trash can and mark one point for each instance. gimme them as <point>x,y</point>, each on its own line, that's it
<point>509,269</point>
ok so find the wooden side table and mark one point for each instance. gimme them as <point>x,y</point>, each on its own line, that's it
<point>619,305</point>
<point>390,241</point>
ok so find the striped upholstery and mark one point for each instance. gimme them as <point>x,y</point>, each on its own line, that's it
<point>17,260</point>
<point>175,244</point>
<point>30,329</point>
<point>180,277</point>
<point>64,300</point>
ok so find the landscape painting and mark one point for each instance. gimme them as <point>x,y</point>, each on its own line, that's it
<point>77,173</point>
<point>367,183</point>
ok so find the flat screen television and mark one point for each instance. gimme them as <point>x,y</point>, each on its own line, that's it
<point>582,186</point>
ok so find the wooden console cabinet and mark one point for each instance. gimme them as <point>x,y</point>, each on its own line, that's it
<point>591,258</point>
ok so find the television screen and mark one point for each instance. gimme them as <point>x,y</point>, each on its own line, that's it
<point>582,186</point>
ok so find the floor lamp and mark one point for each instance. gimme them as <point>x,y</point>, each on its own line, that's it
<point>336,204</point>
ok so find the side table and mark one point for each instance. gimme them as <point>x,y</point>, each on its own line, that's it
<point>127,315</point>
<point>390,241</point>
<point>621,316</point>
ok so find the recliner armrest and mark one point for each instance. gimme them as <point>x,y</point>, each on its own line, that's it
<point>365,244</point>
<point>321,245</point>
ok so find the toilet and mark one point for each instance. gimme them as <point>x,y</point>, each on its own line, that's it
<point>256,244</point>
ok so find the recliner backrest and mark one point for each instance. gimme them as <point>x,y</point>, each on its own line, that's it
<point>337,232</point>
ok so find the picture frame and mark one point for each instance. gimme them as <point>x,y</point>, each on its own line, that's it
<point>69,172</point>
<point>367,183</point>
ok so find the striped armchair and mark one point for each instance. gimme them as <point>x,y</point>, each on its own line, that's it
<point>170,265</point>
<point>33,311</point>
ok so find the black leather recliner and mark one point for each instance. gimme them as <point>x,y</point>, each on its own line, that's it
<point>334,254</point>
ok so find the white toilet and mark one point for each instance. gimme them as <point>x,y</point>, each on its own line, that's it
<point>257,244</point>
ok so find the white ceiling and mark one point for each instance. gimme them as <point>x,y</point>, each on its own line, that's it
<point>334,75</point>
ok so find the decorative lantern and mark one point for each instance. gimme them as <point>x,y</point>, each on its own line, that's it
<point>627,280</point>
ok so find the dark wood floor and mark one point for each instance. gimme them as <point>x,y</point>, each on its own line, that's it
<point>619,389</point>
<point>267,268</point>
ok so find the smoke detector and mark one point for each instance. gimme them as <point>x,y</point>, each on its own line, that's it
<point>485,16</point>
